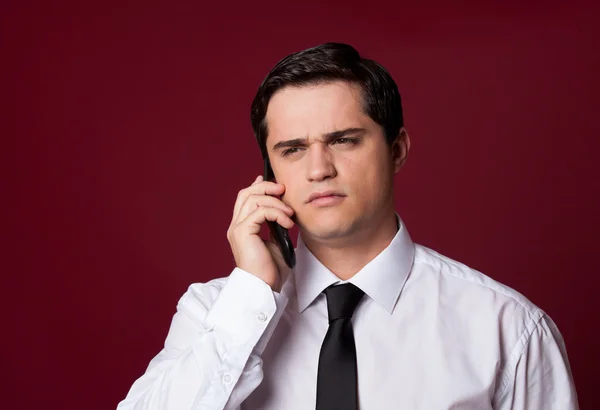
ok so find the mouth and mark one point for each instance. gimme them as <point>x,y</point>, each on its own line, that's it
<point>325,198</point>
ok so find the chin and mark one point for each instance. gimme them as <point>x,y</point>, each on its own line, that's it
<point>327,225</point>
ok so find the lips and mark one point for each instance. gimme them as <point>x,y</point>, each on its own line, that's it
<point>323,194</point>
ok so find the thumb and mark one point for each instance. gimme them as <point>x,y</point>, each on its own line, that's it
<point>282,267</point>
<point>276,253</point>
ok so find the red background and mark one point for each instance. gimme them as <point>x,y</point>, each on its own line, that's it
<point>127,136</point>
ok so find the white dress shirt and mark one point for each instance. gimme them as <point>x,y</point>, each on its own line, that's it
<point>431,333</point>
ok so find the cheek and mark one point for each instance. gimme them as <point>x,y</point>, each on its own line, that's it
<point>293,196</point>
<point>366,186</point>
<point>371,184</point>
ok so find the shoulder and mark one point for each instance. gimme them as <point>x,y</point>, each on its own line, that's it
<point>499,323</point>
<point>463,279</point>
<point>484,308</point>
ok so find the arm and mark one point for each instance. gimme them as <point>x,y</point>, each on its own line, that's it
<point>211,359</point>
<point>538,375</point>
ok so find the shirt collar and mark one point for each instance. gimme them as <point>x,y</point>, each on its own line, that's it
<point>382,279</point>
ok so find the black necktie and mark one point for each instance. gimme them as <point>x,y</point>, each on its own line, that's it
<point>336,378</point>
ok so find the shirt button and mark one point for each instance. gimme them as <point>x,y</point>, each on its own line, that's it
<point>262,317</point>
<point>226,378</point>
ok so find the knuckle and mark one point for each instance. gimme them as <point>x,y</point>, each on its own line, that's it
<point>249,200</point>
<point>256,213</point>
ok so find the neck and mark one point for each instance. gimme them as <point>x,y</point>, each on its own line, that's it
<point>345,257</point>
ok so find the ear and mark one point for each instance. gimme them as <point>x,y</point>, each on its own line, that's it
<point>400,148</point>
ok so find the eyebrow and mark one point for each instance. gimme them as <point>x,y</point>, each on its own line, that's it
<point>328,137</point>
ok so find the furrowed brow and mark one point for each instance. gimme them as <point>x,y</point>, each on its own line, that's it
<point>328,137</point>
<point>342,133</point>
<point>296,142</point>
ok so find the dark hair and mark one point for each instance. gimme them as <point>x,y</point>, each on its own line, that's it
<point>331,62</point>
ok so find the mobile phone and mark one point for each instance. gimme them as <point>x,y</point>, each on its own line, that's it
<point>280,234</point>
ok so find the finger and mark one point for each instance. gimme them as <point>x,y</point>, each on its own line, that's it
<point>260,188</point>
<point>241,198</point>
<point>253,222</point>
<point>255,201</point>
<point>257,180</point>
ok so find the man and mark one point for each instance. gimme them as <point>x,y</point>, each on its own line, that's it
<point>366,319</point>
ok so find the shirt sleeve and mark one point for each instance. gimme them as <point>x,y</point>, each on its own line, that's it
<point>211,358</point>
<point>538,375</point>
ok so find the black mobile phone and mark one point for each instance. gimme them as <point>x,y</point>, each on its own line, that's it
<point>279,232</point>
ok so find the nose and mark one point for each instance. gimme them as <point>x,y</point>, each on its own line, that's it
<point>319,165</point>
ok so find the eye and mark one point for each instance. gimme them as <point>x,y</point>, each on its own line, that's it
<point>289,151</point>
<point>345,141</point>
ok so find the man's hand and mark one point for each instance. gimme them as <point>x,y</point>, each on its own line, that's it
<point>254,206</point>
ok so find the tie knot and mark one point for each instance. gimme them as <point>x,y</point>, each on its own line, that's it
<point>342,300</point>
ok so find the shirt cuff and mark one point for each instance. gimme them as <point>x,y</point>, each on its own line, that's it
<point>246,311</point>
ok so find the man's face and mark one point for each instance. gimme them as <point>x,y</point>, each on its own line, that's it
<point>320,141</point>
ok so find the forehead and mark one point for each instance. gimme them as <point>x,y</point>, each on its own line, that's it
<point>312,110</point>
